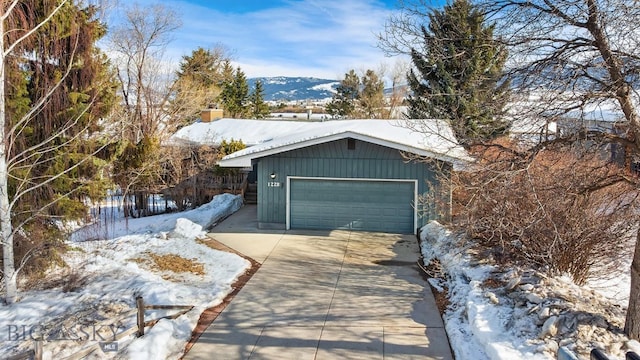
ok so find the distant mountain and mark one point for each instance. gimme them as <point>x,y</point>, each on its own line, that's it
<point>295,88</point>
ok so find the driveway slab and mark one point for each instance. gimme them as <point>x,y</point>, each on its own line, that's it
<point>326,295</point>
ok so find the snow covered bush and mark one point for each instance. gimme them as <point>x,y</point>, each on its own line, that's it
<point>560,210</point>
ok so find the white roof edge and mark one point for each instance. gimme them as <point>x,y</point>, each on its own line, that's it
<point>245,160</point>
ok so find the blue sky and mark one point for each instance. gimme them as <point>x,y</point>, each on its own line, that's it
<point>319,38</point>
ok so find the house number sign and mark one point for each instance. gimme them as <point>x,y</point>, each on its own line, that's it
<point>273,184</point>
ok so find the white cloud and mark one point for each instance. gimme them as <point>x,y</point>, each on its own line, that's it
<point>302,38</point>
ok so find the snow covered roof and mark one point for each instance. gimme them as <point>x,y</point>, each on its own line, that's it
<point>428,138</point>
<point>251,132</point>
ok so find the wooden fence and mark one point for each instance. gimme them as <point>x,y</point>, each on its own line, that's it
<point>141,307</point>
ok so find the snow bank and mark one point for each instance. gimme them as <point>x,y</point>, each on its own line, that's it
<point>111,273</point>
<point>206,215</point>
<point>187,229</point>
<point>476,327</point>
<point>516,313</point>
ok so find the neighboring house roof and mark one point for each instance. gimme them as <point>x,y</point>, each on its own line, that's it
<point>251,132</point>
<point>427,138</point>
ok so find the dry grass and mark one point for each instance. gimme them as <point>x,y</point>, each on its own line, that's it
<point>69,280</point>
<point>172,263</point>
<point>442,299</point>
<point>175,263</point>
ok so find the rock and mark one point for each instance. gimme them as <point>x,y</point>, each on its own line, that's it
<point>513,283</point>
<point>534,298</point>
<point>526,287</point>
<point>569,323</point>
<point>632,345</point>
<point>599,322</point>
<point>492,297</point>
<point>529,278</point>
<point>599,345</point>
<point>514,295</point>
<point>549,328</point>
<point>544,313</point>
<point>566,342</point>
<point>552,346</point>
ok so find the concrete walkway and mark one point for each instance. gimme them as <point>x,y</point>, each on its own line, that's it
<point>325,295</point>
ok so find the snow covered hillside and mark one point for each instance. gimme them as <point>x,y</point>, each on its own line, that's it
<point>161,258</point>
<point>282,88</point>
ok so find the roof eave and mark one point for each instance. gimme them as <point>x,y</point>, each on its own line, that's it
<point>246,159</point>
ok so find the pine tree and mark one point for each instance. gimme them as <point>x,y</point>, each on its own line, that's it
<point>235,95</point>
<point>457,75</point>
<point>56,90</point>
<point>199,83</point>
<point>258,108</point>
<point>204,69</point>
<point>371,98</point>
<point>201,66</point>
<point>344,100</point>
<point>227,73</point>
<point>84,97</point>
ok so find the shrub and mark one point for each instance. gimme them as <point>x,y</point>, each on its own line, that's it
<point>561,210</point>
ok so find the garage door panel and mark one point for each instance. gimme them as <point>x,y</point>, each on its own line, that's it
<point>352,204</point>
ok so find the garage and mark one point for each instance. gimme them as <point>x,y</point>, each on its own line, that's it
<point>366,175</point>
<point>384,205</point>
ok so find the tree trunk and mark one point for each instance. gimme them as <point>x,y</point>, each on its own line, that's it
<point>632,322</point>
<point>6,230</point>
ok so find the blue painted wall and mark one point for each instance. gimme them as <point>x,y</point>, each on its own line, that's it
<point>334,159</point>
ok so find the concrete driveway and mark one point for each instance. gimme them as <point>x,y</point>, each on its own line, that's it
<point>325,295</point>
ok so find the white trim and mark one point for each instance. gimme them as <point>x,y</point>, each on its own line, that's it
<point>244,160</point>
<point>288,193</point>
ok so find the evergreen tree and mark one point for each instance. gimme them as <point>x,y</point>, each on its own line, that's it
<point>235,95</point>
<point>457,75</point>
<point>258,108</point>
<point>70,117</point>
<point>199,83</point>
<point>227,73</point>
<point>201,66</point>
<point>372,95</point>
<point>57,89</point>
<point>347,93</point>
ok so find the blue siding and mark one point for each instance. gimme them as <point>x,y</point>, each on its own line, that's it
<point>334,160</point>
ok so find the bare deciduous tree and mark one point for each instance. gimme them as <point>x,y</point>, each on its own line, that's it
<point>397,77</point>
<point>146,88</point>
<point>139,44</point>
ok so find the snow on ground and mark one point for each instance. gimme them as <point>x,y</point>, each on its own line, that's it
<point>521,314</point>
<point>103,278</point>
